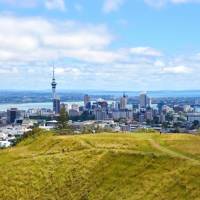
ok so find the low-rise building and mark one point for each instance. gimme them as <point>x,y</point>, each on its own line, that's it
<point>191,117</point>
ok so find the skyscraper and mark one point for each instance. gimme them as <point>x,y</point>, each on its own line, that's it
<point>145,101</point>
<point>56,105</point>
<point>12,115</point>
<point>86,99</point>
<point>123,102</point>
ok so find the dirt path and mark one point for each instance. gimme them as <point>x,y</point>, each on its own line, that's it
<point>171,152</point>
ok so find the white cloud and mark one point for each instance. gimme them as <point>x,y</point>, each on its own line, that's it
<point>177,70</point>
<point>48,4</point>
<point>36,39</point>
<point>69,71</point>
<point>145,51</point>
<point>112,5</point>
<point>159,63</point>
<point>21,3</point>
<point>55,5</point>
<point>156,3</point>
<point>185,1</point>
<point>9,70</point>
<point>161,3</point>
<point>84,53</point>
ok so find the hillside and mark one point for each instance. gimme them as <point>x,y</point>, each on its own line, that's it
<point>102,167</point>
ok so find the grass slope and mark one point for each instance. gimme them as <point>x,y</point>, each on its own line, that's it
<point>102,167</point>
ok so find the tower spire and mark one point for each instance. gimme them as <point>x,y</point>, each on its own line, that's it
<point>53,84</point>
<point>56,100</point>
<point>53,72</point>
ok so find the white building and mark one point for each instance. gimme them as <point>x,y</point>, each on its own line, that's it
<point>187,108</point>
<point>191,117</point>
<point>5,144</point>
<point>149,115</point>
<point>100,115</point>
<point>122,114</point>
<point>75,107</point>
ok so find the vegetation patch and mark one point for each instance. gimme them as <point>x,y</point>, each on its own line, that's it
<point>102,166</point>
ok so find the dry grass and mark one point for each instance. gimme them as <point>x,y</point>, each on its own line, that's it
<point>100,167</point>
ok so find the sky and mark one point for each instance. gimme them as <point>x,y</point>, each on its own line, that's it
<point>122,45</point>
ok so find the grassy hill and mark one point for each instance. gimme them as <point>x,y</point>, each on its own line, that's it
<point>102,167</point>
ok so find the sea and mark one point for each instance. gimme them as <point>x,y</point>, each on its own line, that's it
<point>26,106</point>
<point>153,94</point>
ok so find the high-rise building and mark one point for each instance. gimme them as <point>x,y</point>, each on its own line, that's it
<point>86,99</point>
<point>144,100</point>
<point>123,102</point>
<point>101,115</point>
<point>12,115</point>
<point>149,115</point>
<point>160,106</point>
<point>75,107</point>
<point>56,105</point>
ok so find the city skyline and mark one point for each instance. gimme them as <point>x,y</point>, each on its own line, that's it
<point>109,45</point>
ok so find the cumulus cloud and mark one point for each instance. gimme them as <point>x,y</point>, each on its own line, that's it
<point>112,5</point>
<point>39,38</point>
<point>21,3</point>
<point>9,70</point>
<point>48,4</point>
<point>55,5</point>
<point>161,3</point>
<point>83,53</point>
<point>177,70</point>
<point>145,51</point>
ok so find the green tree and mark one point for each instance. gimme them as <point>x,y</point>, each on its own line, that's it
<point>195,124</point>
<point>63,119</point>
<point>165,125</point>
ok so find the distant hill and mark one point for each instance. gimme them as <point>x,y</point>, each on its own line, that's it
<point>102,167</point>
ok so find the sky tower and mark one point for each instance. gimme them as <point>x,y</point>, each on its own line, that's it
<point>56,100</point>
<point>53,84</point>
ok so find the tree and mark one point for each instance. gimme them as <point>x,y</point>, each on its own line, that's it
<point>63,119</point>
<point>169,117</point>
<point>165,125</point>
<point>195,124</point>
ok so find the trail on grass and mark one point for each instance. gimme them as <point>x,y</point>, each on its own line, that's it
<point>172,153</point>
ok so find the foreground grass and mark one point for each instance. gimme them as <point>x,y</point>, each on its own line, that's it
<point>104,166</point>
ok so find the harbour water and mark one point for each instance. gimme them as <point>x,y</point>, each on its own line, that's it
<point>26,106</point>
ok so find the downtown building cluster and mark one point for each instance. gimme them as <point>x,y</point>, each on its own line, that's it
<point>119,114</point>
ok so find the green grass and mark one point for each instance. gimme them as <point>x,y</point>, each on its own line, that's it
<point>102,167</point>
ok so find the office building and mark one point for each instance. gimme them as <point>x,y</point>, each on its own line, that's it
<point>56,105</point>
<point>12,115</point>
<point>144,100</point>
<point>86,100</point>
<point>74,113</point>
<point>101,115</point>
<point>191,117</point>
<point>123,102</point>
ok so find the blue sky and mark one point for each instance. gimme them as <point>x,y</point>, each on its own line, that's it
<point>101,44</point>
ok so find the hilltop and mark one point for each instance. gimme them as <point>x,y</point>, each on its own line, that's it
<point>102,167</point>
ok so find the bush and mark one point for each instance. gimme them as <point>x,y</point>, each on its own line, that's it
<point>33,134</point>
